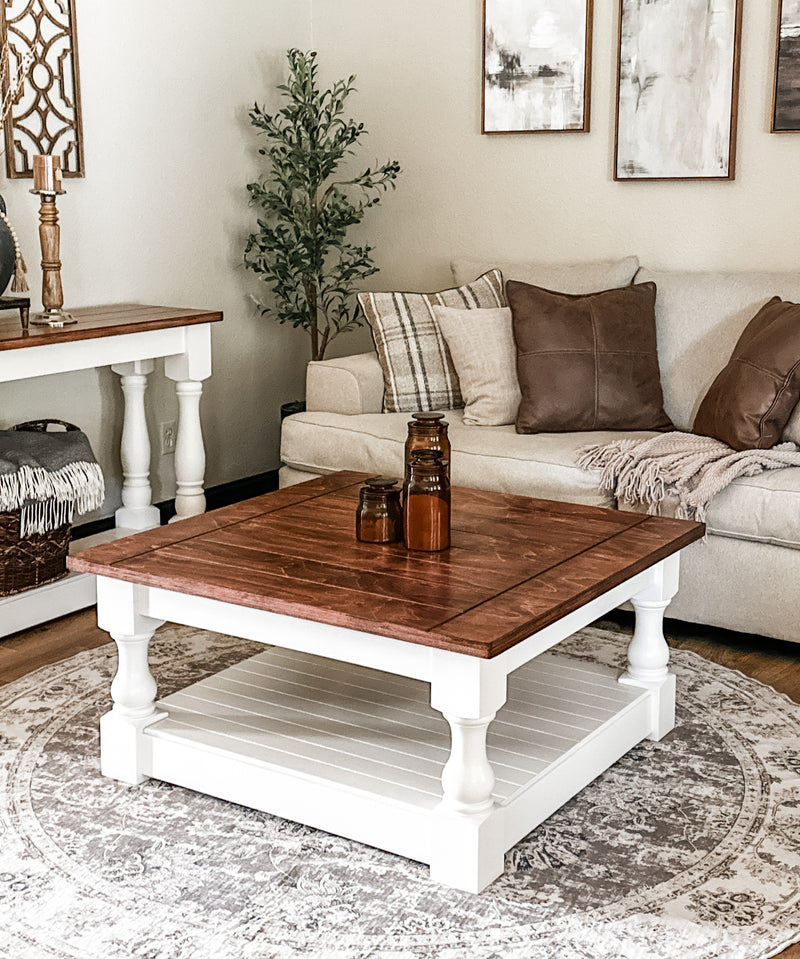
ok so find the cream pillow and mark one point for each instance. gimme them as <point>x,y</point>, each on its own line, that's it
<point>481,344</point>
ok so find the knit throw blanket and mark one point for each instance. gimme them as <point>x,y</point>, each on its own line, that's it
<point>48,476</point>
<point>682,465</point>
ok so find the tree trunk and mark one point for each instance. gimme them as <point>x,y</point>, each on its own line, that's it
<point>310,288</point>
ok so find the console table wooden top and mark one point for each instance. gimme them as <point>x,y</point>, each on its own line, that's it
<point>516,564</point>
<point>95,322</point>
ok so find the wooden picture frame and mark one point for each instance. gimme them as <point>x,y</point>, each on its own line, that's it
<point>46,119</point>
<point>786,86</point>
<point>677,89</point>
<point>536,73</point>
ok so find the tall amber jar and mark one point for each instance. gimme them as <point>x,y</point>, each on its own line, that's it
<point>426,505</point>
<point>427,431</point>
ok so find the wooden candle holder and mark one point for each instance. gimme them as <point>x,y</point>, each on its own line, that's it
<point>50,239</point>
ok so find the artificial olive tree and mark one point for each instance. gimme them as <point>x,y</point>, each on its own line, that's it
<point>308,204</point>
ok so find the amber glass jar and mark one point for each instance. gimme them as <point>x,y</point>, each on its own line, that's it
<point>379,517</point>
<point>426,504</point>
<point>428,431</point>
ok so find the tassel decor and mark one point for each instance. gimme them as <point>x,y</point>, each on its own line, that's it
<point>19,282</point>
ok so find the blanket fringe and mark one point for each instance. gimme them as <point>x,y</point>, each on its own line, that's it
<point>689,467</point>
<point>41,517</point>
<point>48,499</point>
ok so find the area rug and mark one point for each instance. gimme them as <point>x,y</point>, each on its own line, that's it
<point>686,848</point>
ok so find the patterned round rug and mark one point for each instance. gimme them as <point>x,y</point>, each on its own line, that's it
<point>685,848</point>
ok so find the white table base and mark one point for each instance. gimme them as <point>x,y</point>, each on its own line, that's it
<point>356,745</point>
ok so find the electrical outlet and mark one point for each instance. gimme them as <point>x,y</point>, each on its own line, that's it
<point>169,432</point>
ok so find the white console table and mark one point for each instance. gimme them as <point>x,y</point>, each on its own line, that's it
<point>128,338</point>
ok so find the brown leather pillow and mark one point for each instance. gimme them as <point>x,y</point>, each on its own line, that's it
<point>587,362</point>
<point>750,402</point>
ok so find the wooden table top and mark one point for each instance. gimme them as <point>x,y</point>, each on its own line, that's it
<point>515,564</point>
<point>98,321</point>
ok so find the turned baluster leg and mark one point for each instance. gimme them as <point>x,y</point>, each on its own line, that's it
<point>190,456</point>
<point>133,689</point>
<point>648,652</point>
<point>188,370</point>
<point>137,511</point>
<point>468,778</point>
<point>467,849</point>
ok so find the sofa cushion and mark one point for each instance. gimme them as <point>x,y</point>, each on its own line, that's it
<point>565,277</point>
<point>749,403</point>
<point>763,508</point>
<point>586,362</point>
<point>482,346</point>
<point>418,371</point>
<point>487,457</point>
<point>699,318</point>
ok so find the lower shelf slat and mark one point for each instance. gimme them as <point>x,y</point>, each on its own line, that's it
<point>310,728</point>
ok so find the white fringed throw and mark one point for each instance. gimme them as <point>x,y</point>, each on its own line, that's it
<point>48,476</point>
<point>691,468</point>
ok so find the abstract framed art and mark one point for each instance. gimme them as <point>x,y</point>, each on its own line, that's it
<point>536,66</point>
<point>677,89</point>
<point>786,96</point>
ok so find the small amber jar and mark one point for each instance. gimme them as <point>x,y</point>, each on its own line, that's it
<point>426,505</point>
<point>427,431</point>
<point>379,517</point>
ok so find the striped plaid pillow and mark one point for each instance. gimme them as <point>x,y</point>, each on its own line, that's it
<point>418,371</point>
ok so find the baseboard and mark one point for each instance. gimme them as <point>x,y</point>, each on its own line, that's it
<point>216,497</point>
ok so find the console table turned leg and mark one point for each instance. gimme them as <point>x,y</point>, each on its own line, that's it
<point>188,370</point>
<point>137,511</point>
<point>133,692</point>
<point>190,456</point>
<point>648,652</point>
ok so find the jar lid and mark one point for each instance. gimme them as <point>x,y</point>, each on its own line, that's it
<point>381,482</point>
<point>430,417</point>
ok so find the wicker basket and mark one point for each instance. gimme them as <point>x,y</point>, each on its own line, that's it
<point>40,557</point>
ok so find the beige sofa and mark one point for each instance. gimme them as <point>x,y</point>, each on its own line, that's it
<point>745,576</point>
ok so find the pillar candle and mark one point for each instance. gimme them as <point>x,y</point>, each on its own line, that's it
<point>46,174</point>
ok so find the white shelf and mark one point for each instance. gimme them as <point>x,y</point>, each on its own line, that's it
<point>360,753</point>
<point>76,591</point>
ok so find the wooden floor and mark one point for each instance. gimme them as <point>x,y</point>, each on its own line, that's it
<point>770,661</point>
<point>49,643</point>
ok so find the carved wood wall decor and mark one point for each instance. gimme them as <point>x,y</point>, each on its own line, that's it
<point>47,117</point>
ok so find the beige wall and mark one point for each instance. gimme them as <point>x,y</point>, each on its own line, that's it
<point>548,196</point>
<point>162,215</point>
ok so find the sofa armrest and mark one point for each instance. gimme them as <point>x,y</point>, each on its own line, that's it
<point>348,385</point>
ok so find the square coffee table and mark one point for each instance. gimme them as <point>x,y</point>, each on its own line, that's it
<point>338,723</point>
